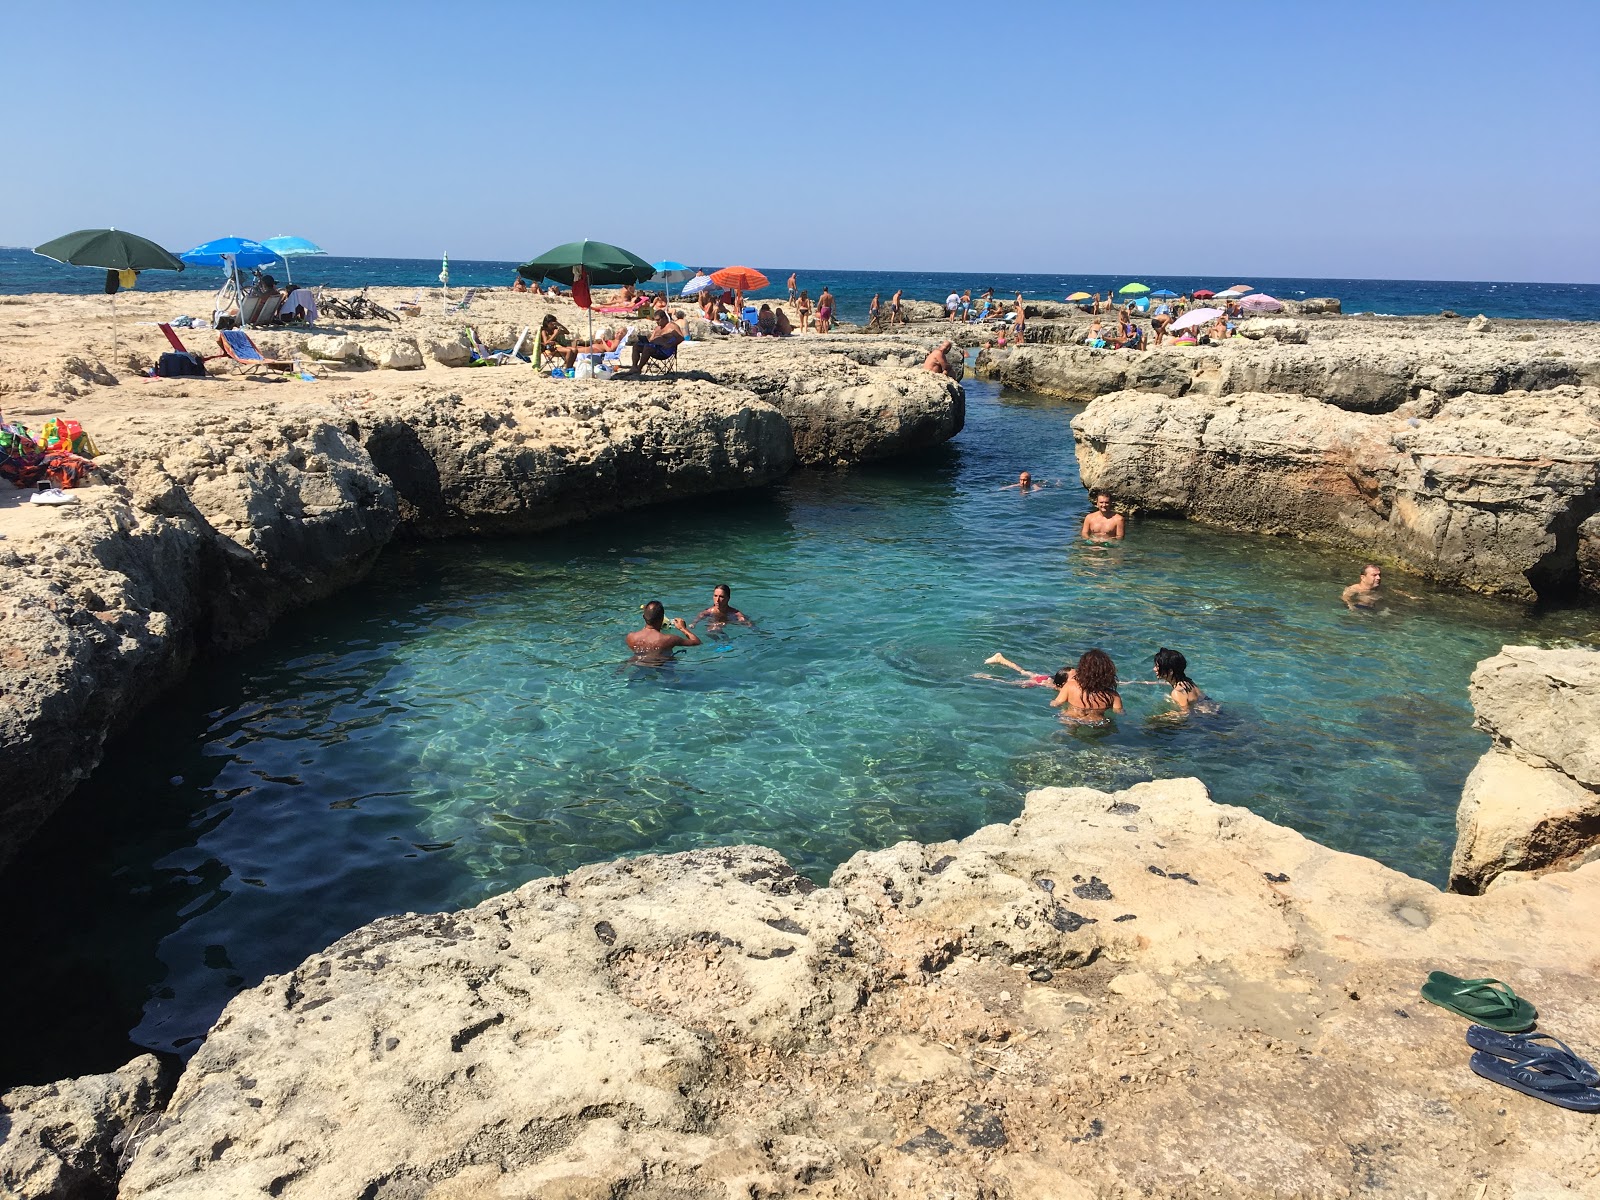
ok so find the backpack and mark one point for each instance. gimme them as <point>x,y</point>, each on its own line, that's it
<point>174,364</point>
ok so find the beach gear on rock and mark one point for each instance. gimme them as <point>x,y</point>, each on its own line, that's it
<point>1518,1046</point>
<point>1485,1001</point>
<point>1547,1077</point>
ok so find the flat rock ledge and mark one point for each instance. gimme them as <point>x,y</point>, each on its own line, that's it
<point>208,521</point>
<point>1139,993</point>
<point>1497,494</point>
<point>1532,804</point>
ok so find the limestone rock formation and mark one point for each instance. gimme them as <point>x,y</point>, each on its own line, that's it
<point>533,460</point>
<point>1142,992</point>
<point>69,1140</point>
<point>333,347</point>
<point>1532,804</point>
<point>393,354</point>
<point>1485,492</point>
<point>197,543</point>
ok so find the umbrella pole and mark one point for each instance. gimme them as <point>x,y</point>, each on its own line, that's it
<point>113,333</point>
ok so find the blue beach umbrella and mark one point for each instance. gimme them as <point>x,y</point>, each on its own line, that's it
<point>286,246</point>
<point>1164,294</point>
<point>670,272</point>
<point>229,252</point>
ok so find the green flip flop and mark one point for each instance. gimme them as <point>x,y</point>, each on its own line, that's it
<point>1486,1001</point>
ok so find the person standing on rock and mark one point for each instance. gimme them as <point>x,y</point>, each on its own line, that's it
<point>825,304</point>
<point>1103,525</point>
<point>1021,322</point>
<point>653,644</point>
<point>952,303</point>
<point>895,317</point>
<point>792,283</point>
<point>872,311</point>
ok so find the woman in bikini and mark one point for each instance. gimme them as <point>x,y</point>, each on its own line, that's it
<point>1030,679</point>
<point>1171,670</point>
<point>1089,692</point>
<point>804,305</point>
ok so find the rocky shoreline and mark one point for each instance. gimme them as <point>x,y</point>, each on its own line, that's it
<point>219,504</point>
<point>1134,993</point>
<point>1467,451</point>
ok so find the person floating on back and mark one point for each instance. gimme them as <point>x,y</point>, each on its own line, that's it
<point>655,645</point>
<point>1103,525</point>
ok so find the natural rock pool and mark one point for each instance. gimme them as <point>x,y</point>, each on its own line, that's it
<point>466,721</point>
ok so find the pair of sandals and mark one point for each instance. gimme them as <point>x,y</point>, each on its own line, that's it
<point>1505,1052</point>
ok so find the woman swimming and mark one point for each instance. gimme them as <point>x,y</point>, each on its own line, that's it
<point>1089,691</point>
<point>1029,678</point>
<point>1172,669</point>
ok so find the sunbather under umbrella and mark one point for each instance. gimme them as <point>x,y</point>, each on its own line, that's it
<point>115,252</point>
<point>600,262</point>
<point>234,254</point>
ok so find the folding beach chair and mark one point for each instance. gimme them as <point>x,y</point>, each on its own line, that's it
<point>660,366</point>
<point>176,343</point>
<point>243,353</point>
<point>260,310</point>
<point>461,305</point>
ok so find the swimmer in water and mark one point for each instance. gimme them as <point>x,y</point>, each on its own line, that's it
<point>1024,483</point>
<point>1029,678</point>
<point>655,645</point>
<point>1171,670</point>
<point>1089,691</point>
<point>721,612</point>
<point>1103,525</point>
<point>1368,591</point>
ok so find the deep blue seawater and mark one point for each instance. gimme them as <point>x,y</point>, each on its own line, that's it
<point>465,720</point>
<point>24,271</point>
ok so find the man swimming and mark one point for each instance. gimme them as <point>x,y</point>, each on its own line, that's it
<point>721,612</point>
<point>1024,483</point>
<point>653,644</point>
<point>1103,525</point>
<point>1366,591</point>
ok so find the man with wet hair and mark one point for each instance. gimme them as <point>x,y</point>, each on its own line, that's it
<point>655,644</point>
<point>1366,591</point>
<point>1103,525</point>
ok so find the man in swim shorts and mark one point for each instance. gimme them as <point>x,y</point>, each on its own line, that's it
<point>825,304</point>
<point>1103,525</point>
<point>653,643</point>
<point>791,287</point>
<point>894,308</point>
<point>721,612</point>
<point>1021,322</point>
<point>662,344</point>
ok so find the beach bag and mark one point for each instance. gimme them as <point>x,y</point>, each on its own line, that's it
<point>174,364</point>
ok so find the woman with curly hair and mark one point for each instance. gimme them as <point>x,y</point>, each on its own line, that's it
<point>1090,691</point>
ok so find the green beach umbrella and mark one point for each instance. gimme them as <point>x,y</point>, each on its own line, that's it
<point>111,250</point>
<point>1133,289</point>
<point>601,261</point>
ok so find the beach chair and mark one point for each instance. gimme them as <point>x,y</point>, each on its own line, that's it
<point>244,354</point>
<point>661,366</point>
<point>501,358</point>
<point>458,306</point>
<point>259,310</point>
<point>614,357</point>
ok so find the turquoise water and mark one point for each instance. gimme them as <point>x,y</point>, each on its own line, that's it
<point>467,720</point>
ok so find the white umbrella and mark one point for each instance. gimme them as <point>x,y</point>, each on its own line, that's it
<point>1230,294</point>
<point>695,286</point>
<point>1195,316</point>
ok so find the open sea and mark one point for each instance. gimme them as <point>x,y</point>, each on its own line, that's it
<point>23,271</point>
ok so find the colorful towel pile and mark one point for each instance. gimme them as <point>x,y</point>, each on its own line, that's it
<point>61,454</point>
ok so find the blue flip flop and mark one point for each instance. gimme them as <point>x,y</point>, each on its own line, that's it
<point>1528,1045</point>
<point>1543,1076</point>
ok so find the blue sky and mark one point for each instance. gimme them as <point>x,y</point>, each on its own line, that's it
<point>1397,139</point>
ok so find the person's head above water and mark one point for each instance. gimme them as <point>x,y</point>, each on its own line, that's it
<point>1171,666</point>
<point>1097,674</point>
<point>1025,479</point>
<point>654,613</point>
<point>1101,499</point>
<point>1371,575</point>
<point>721,594</point>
